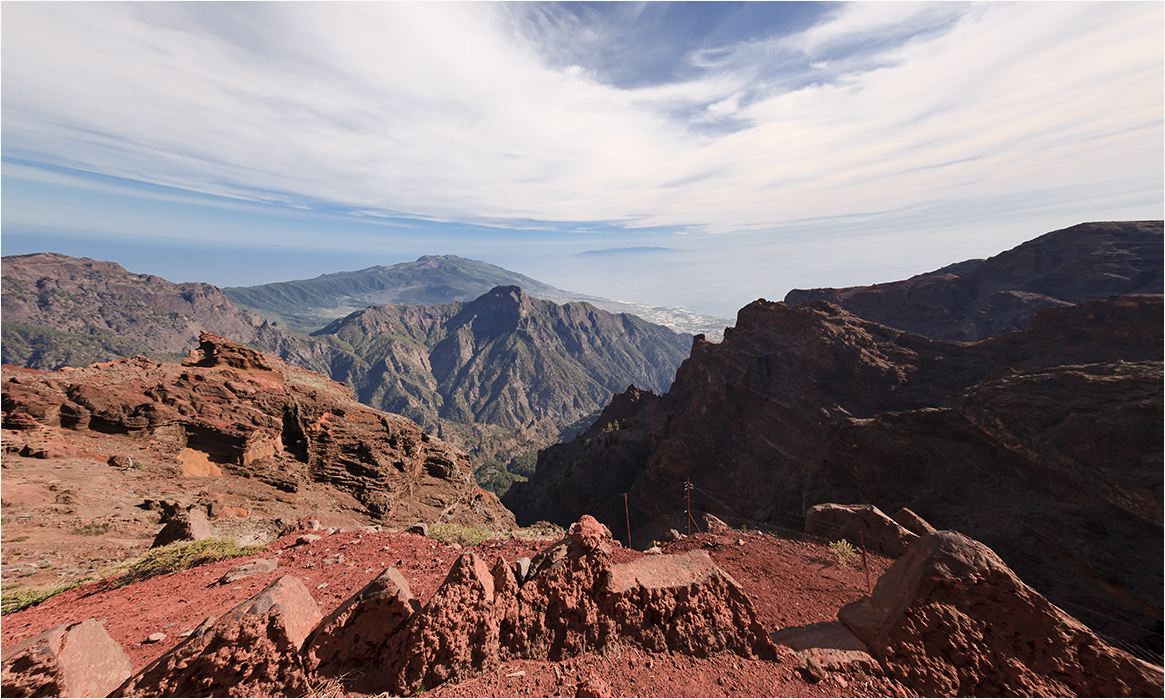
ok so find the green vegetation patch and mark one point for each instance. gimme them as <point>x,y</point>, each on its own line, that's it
<point>179,556</point>
<point>13,598</point>
<point>449,533</point>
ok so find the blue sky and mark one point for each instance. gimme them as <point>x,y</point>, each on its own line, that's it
<point>714,152</point>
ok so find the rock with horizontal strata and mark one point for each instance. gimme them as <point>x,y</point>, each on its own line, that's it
<point>79,660</point>
<point>949,618</point>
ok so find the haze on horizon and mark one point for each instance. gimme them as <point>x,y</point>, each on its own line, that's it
<point>687,154</point>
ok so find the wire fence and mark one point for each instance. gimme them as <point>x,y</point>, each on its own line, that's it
<point>785,524</point>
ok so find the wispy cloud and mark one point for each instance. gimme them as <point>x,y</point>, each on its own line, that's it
<point>543,116</point>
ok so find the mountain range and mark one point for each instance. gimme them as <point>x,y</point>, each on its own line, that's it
<point>308,304</point>
<point>501,376</point>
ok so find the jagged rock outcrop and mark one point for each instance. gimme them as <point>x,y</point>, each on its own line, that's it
<point>251,651</point>
<point>747,417</point>
<point>951,619</point>
<point>1058,470</point>
<point>229,409</point>
<point>860,525</point>
<point>747,422</point>
<point>977,299</point>
<point>78,660</point>
<point>579,601</point>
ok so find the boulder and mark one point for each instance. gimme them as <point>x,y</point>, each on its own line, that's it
<point>908,519</point>
<point>246,570</point>
<point>191,526</point>
<point>831,645</point>
<point>78,660</point>
<point>573,601</point>
<point>859,524</point>
<point>949,618</point>
<point>359,630</point>
<point>419,528</point>
<point>252,650</point>
<point>715,525</point>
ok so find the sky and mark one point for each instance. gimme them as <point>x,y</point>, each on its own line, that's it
<point>700,155</point>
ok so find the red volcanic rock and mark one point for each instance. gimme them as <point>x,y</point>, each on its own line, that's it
<point>910,520</point>
<point>580,602</point>
<point>950,619</point>
<point>234,411</point>
<point>361,628</point>
<point>859,525</point>
<point>79,660</point>
<point>253,650</point>
<point>831,645</point>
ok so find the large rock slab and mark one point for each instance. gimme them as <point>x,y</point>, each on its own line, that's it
<point>252,650</point>
<point>78,660</point>
<point>949,618</point>
<point>831,645</point>
<point>859,524</point>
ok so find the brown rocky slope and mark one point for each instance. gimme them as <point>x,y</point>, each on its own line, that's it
<point>231,410</point>
<point>746,420</point>
<point>977,299</point>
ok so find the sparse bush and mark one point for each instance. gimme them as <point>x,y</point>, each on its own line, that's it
<point>845,552</point>
<point>18,539</point>
<point>181,555</point>
<point>92,529</point>
<point>13,598</point>
<point>450,533</point>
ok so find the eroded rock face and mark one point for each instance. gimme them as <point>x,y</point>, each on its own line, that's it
<point>747,417</point>
<point>574,602</point>
<point>859,525</point>
<point>1057,470</point>
<point>253,650</point>
<point>951,619</point>
<point>229,409</point>
<point>79,660</point>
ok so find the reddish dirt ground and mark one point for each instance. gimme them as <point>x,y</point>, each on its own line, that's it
<point>792,583</point>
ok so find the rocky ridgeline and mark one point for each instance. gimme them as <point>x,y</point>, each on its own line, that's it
<point>227,409</point>
<point>1006,439</point>
<point>947,619</point>
<point>977,299</point>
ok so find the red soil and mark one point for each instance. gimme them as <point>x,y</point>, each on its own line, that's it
<point>792,583</point>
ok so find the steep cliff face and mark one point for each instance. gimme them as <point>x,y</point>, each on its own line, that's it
<point>504,374</point>
<point>1059,470</point>
<point>978,299</point>
<point>229,409</point>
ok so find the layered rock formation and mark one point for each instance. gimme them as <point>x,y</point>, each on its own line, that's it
<point>977,299</point>
<point>951,619</point>
<point>229,409</point>
<point>747,422</point>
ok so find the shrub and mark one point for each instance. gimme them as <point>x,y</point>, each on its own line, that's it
<point>845,552</point>
<point>450,533</point>
<point>181,555</point>
<point>92,529</point>
<point>13,598</point>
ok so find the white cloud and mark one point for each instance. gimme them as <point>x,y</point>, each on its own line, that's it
<point>444,110</point>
